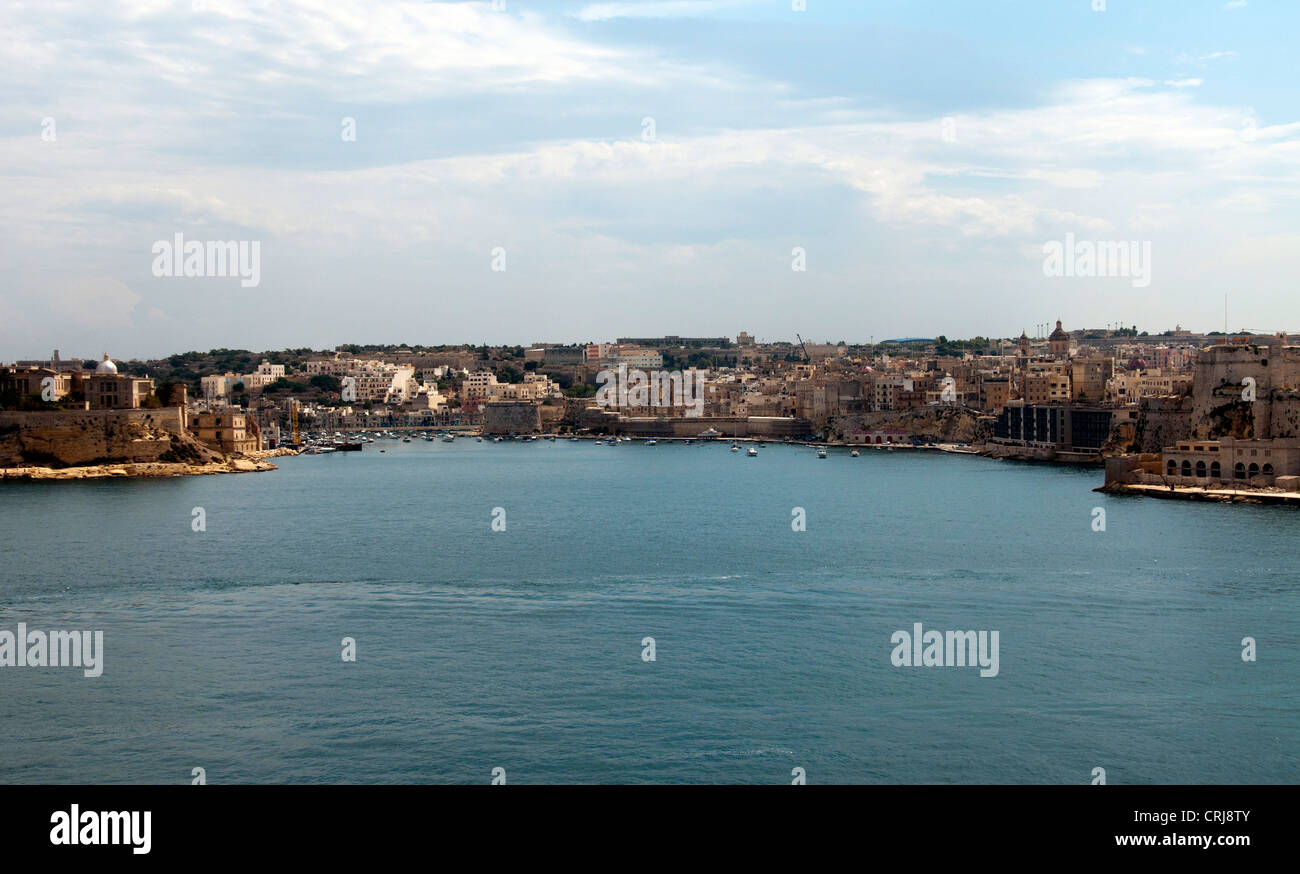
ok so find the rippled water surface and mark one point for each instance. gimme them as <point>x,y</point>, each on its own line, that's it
<point>522,649</point>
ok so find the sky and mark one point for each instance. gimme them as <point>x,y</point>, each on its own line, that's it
<point>430,172</point>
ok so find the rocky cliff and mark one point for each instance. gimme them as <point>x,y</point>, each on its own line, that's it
<point>95,437</point>
<point>103,471</point>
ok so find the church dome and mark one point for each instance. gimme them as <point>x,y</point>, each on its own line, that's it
<point>106,366</point>
<point>1059,334</point>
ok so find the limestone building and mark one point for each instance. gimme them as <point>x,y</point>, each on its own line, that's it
<point>227,431</point>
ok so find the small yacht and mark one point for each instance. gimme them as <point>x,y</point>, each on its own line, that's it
<point>752,453</point>
<point>478,439</point>
<point>821,453</point>
<point>651,442</point>
<point>854,453</point>
<point>734,448</point>
<point>406,439</point>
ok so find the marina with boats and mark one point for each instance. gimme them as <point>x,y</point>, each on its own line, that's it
<point>320,443</point>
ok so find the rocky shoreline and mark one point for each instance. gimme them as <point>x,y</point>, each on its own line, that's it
<point>1042,456</point>
<point>1241,495</point>
<point>251,463</point>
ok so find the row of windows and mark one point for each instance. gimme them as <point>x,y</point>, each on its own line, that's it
<point>1241,471</point>
<point>1187,447</point>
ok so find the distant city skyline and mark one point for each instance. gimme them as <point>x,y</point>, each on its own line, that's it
<point>442,173</point>
<point>1038,332</point>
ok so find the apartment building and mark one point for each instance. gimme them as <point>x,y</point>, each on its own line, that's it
<point>1046,387</point>
<point>227,431</point>
<point>1088,377</point>
<point>379,381</point>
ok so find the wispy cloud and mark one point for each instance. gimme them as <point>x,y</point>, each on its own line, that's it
<point>340,49</point>
<point>1203,60</point>
<point>657,9</point>
<point>480,128</point>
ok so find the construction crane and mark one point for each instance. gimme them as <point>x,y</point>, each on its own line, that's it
<point>804,347</point>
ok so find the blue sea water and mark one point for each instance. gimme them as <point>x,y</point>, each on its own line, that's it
<point>522,649</point>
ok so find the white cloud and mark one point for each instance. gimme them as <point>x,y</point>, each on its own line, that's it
<point>228,52</point>
<point>149,107</point>
<point>1010,172</point>
<point>657,9</point>
<point>1203,60</point>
